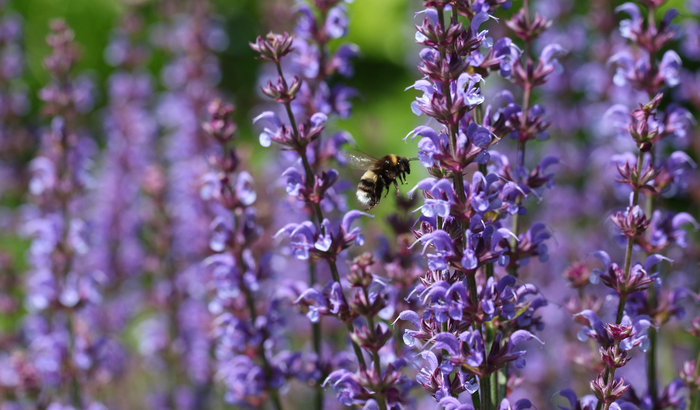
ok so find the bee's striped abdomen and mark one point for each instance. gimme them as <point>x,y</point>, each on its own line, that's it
<point>366,189</point>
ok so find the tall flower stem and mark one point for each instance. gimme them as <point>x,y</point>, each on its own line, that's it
<point>381,402</point>
<point>250,303</point>
<point>651,367</point>
<point>651,355</point>
<point>350,327</point>
<point>317,336</point>
<point>315,327</point>
<point>487,383</point>
<point>651,292</point>
<point>610,373</point>
<point>515,228</point>
<point>485,387</point>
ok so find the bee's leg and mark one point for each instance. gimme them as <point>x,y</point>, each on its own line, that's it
<point>396,185</point>
<point>385,185</point>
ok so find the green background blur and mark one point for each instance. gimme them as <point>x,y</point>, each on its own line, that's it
<point>382,29</point>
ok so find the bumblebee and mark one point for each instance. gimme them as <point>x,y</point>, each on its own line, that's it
<point>379,174</point>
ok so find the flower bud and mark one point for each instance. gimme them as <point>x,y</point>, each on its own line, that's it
<point>274,46</point>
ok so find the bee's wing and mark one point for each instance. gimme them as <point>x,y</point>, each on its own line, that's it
<point>360,160</point>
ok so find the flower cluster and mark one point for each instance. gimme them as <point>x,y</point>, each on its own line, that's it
<point>245,338</point>
<point>473,318</point>
<point>65,345</point>
<point>309,99</point>
<point>643,305</point>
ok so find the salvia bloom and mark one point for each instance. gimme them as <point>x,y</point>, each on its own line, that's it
<point>473,318</point>
<point>647,177</point>
<point>167,256</point>
<point>304,65</point>
<point>245,328</point>
<point>64,342</point>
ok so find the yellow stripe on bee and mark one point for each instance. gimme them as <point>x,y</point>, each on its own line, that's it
<point>369,175</point>
<point>394,159</point>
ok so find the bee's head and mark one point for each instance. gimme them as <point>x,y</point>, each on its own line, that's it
<point>404,165</point>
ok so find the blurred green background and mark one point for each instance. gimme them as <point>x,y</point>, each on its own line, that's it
<point>381,113</point>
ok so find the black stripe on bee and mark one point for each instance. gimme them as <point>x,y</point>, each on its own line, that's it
<point>365,186</point>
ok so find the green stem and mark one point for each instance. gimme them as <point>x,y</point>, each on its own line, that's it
<point>476,400</point>
<point>379,396</point>
<point>494,388</point>
<point>316,331</point>
<point>485,388</point>
<point>489,270</point>
<point>503,387</point>
<point>513,270</point>
<point>694,401</point>
<point>628,261</point>
<point>651,365</point>
<point>350,327</point>
<point>490,390</point>
<point>471,286</point>
<point>620,309</point>
<point>527,95</point>
<point>274,394</point>
<point>652,353</point>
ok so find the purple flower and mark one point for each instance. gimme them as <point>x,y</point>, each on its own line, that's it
<point>329,241</point>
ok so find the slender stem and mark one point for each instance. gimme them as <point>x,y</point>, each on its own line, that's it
<point>494,388</point>
<point>310,180</point>
<point>527,94</point>
<point>484,171</point>
<point>652,301</point>
<point>503,388</point>
<point>620,309</point>
<point>350,327</point>
<point>379,397</point>
<point>610,373</point>
<point>694,401</point>
<point>301,150</point>
<point>375,354</point>
<point>515,225</point>
<point>489,270</point>
<point>651,17</point>
<point>492,383</point>
<point>316,331</point>
<point>471,286</point>
<point>64,247</point>
<point>651,364</point>
<point>250,302</point>
<point>485,388</point>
